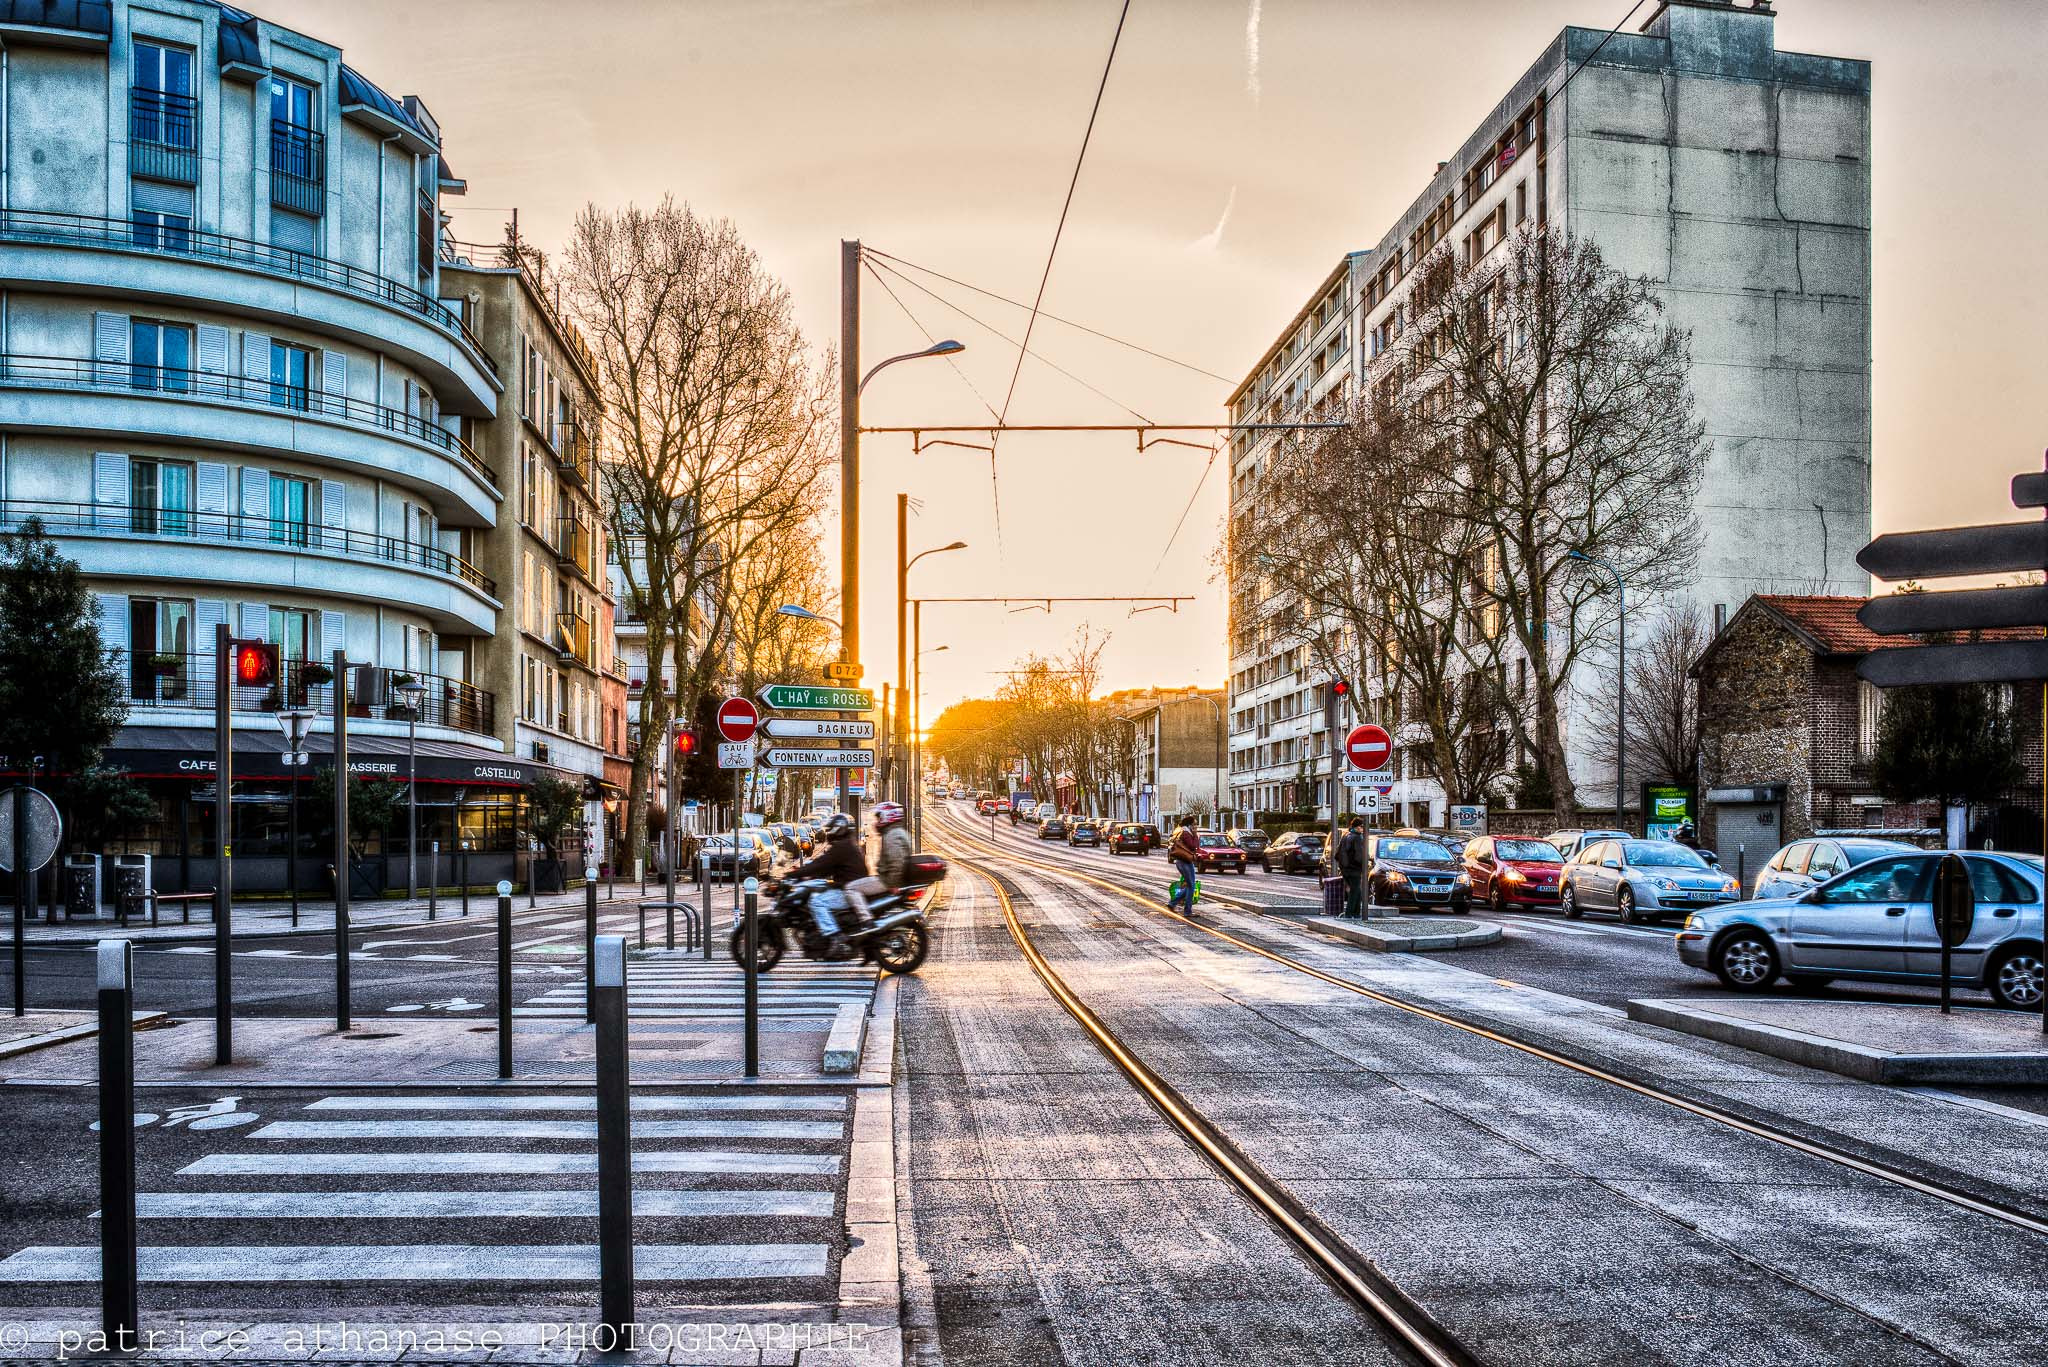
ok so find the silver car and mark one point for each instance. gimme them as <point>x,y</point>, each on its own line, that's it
<point>1806,864</point>
<point>1876,922</point>
<point>1641,880</point>
<point>1570,842</point>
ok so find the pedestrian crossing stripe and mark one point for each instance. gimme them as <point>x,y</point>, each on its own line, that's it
<point>578,1164</point>
<point>220,1263</point>
<point>426,1205</point>
<point>575,1103</point>
<point>445,1128</point>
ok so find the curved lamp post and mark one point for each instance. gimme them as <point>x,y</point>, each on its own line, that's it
<point>1620,684</point>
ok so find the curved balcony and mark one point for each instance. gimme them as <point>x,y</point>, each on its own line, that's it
<point>231,412</point>
<point>184,681</point>
<point>112,256</point>
<point>254,554</point>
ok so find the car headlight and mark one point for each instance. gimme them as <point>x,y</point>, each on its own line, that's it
<point>1512,876</point>
<point>1668,884</point>
<point>1461,881</point>
<point>1730,885</point>
<point>1396,876</point>
<point>1691,923</point>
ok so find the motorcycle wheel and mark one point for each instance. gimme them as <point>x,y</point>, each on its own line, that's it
<point>767,947</point>
<point>902,950</point>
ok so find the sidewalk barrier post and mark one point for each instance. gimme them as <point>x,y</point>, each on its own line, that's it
<point>462,853</point>
<point>589,943</point>
<point>20,903</point>
<point>118,1311</point>
<point>753,980</point>
<point>343,864</point>
<point>504,979</point>
<point>670,909</point>
<point>433,876</point>
<point>614,1140</point>
<point>643,925</point>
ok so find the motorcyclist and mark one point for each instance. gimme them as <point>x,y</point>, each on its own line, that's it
<point>892,856</point>
<point>841,864</point>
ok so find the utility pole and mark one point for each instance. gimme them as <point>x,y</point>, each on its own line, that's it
<point>900,790</point>
<point>849,471</point>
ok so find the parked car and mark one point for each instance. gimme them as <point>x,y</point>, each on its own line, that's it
<point>756,856</point>
<point>1570,842</point>
<point>1153,839</point>
<point>1454,841</point>
<point>1642,880</point>
<point>1806,864</point>
<point>1129,838</point>
<point>792,839</point>
<point>1416,871</point>
<point>1027,811</point>
<point>1213,850</point>
<point>1509,871</point>
<point>1253,842</point>
<point>1876,922</point>
<point>1053,827</point>
<point>1297,852</point>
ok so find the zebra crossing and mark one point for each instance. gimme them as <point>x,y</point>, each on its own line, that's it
<point>551,930</point>
<point>687,989</point>
<point>466,1181</point>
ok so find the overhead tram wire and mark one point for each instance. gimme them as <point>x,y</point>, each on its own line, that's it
<point>1045,276</point>
<point>1597,46</point>
<point>1038,356</point>
<point>1052,317</point>
<point>1214,451</point>
<point>928,337</point>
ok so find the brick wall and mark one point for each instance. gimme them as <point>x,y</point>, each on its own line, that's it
<point>1757,716</point>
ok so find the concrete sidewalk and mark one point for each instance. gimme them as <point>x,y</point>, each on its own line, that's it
<point>1875,1041</point>
<point>1408,934</point>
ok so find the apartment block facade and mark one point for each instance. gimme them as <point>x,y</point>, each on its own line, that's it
<point>1735,177</point>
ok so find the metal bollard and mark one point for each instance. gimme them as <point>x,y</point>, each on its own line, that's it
<point>433,876</point>
<point>589,943</point>
<point>614,1140</point>
<point>753,973</point>
<point>671,909</point>
<point>462,853</point>
<point>118,1310</point>
<point>504,979</point>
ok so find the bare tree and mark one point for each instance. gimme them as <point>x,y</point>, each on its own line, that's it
<point>717,430</point>
<point>1553,383</point>
<point>1663,714</point>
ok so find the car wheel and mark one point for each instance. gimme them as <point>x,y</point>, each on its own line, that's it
<point>1625,906</point>
<point>1745,960</point>
<point>1463,908</point>
<point>1568,903</point>
<point>2015,979</point>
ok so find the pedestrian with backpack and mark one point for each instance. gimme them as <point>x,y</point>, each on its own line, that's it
<point>1182,851</point>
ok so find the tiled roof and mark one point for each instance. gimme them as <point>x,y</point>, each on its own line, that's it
<point>1829,621</point>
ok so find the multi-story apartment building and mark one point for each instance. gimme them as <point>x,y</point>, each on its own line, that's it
<point>1736,178</point>
<point>232,389</point>
<point>555,648</point>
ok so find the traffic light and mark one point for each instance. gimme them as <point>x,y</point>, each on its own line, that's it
<point>255,664</point>
<point>1341,687</point>
<point>686,742</point>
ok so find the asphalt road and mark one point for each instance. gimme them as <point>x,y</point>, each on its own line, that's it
<point>1543,1216</point>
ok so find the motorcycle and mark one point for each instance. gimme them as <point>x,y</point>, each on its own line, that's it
<point>893,936</point>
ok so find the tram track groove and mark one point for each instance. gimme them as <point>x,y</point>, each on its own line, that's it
<point>1755,1128</point>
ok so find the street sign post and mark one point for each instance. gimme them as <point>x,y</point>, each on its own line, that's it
<point>737,719</point>
<point>1955,909</point>
<point>1368,746</point>
<point>812,757</point>
<point>808,728</point>
<point>813,698</point>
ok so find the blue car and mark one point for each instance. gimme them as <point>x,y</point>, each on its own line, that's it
<point>1875,922</point>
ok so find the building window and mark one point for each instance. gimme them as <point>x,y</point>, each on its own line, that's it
<point>289,505</point>
<point>159,627</point>
<point>291,370</point>
<point>162,115</point>
<point>298,153</point>
<point>291,631</point>
<point>159,355</point>
<point>1521,202</point>
<point>1869,713</point>
<point>160,497</point>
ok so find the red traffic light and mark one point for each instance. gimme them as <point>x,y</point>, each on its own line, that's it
<point>686,742</point>
<point>255,664</point>
<point>1341,687</point>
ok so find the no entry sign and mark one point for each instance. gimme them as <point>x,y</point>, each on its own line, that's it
<point>1368,746</point>
<point>737,719</point>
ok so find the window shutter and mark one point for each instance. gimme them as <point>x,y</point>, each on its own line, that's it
<point>109,479</point>
<point>207,614</point>
<point>255,492</point>
<point>256,355</point>
<point>255,620</point>
<point>334,504</point>
<point>213,487</point>
<point>213,357</point>
<point>154,198</point>
<point>334,376</point>
<point>110,346</point>
<point>333,632</point>
<point>114,620</point>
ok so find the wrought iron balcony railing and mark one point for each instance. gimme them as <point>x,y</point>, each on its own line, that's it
<point>163,141</point>
<point>185,680</point>
<point>298,168</point>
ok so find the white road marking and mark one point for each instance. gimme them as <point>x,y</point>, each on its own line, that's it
<point>419,1205</point>
<point>543,1129</point>
<point>257,1263</point>
<point>576,1103</point>
<point>2024,1117</point>
<point>416,1164</point>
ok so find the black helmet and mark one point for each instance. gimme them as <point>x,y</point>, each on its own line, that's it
<point>838,826</point>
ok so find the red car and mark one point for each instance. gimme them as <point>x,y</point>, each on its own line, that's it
<point>1513,871</point>
<point>1216,852</point>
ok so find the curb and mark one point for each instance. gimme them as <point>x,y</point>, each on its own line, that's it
<point>1391,942</point>
<point>870,1282</point>
<point>143,1020</point>
<point>1840,1056</point>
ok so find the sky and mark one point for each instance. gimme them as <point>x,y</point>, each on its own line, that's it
<point>1242,146</point>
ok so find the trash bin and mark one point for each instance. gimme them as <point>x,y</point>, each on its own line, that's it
<point>1333,897</point>
<point>132,882</point>
<point>81,886</point>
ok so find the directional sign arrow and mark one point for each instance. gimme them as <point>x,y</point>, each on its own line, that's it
<point>790,728</point>
<point>793,757</point>
<point>1980,662</point>
<point>1999,548</point>
<point>1896,614</point>
<point>812,698</point>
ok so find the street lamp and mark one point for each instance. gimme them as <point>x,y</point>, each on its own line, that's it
<point>1620,683</point>
<point>902,592</point>
<point>917,742</point>
<point>412,690</point>
<point>949,347</point>
<point>294,722</point>
<point>792,610</point>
